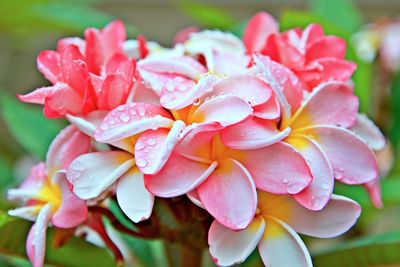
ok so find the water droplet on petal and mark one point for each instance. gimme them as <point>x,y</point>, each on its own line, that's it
<point>139,146</point>
<point>151,142</point>
<point>104,127</point>
<point>325,186</point>
<point>124,117</point>
<point>141,163</point>
<point>285,180</point>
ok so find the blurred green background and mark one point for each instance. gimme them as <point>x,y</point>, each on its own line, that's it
<point>29,26</point>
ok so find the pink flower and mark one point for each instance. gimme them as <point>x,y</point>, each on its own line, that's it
<point>46,193</point>
<point>317,130</point>
<point>311,55</point>
<point>86,75</point>
<point>274,230</point>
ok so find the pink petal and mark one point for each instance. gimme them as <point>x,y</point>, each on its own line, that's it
<point>184,34</point>
<point>114,92</point>
<point>73,69</point>
<point>88,123</point>
<point>375,193</point>
<point>229,247</point>
<point>62,101</point>
<point>64,42</point>
<point>133,198</point>
<point>73,210</point>
<point>195,198</point>
<point>257,31</point>
<point>68,145</point>
<point>252,134</point>
<point>314,32</point>
<point>91,174</point>
<point>225,63</point>
<point>332,103</point>
<point>338,216</point>
<point>282,246</point>
<point>179,92</point>
<point>167,183</point>
<point>278,168</point>
<point>36,241</point>
<point>130,119</point>
<point>270,110</point>
<point>185,66</point>
<point>36,178</point>
<point>352,160</point>
<point>369,132</point>
<point>37,96</point>
<point>318,193</point>
<point>48,63</point>
<point>327,69</point>
<point>248,87</point>
<point>327,46</point>
<point>286,86</point>
<point>103,44</point>
<point>154,147</point>
<point>229,194</point>
<point>226,110</point>
<point>289,55</point>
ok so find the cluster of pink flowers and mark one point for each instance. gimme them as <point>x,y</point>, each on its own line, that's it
<point>254,131</point>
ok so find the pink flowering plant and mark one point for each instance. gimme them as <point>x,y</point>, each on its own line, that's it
<point>241,141</point>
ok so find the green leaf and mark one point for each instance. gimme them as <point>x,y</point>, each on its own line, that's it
<point>206,15</point>
<point>75,253</point>
<point>376,250</point>
<point>39,15</point>
<point>345,10</point>
<point>28,125</point>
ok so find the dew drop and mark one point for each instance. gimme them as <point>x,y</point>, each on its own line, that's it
<point>285,180</point>
<point>325,186</point>
<point>124,117</point>
<point>151,142</point>
<point>121,108</point>
<point>141,111</point>
<point>141,163</point>
<point>104,127</point>
<point>139,146</point>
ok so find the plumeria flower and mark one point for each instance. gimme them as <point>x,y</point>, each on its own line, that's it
<point>309,53</point>
<point>274,230</point>
<point>94,173</point>
<point>86,75</point>
<point>46,193</point>
<point>317,130</point>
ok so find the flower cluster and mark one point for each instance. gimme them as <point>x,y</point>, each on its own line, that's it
<point>253,131</point>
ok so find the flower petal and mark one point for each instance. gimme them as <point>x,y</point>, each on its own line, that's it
<point>369,132</point>
<point>229,194</point>
<point>91,174</point>
<point>252,134</point>
<point>278,168</point>
<point>319,192</point>
<point>88,123</point>
<point>195,198</point>
<point>270,110</point>
<point>73,210</point>
<point>130,119</point>
<point>332,103</point>
<point>133,198</point>
<point>185,66</point>
<point>37,96</point>
<point>36,241</point>
<point>177,94</point>
<point>248,87</point>
<point>257,31</point>
<point>229,247</point>
<point>352,160</point>
<point>375,193</point>
<point>48,63</point>
<point>167,183</point>
<point>282,246</point>
<point>338,216</point>
<point>226,110</point>
<point>68,145</point>
<point>327,46</point>
<point>153,147</point>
